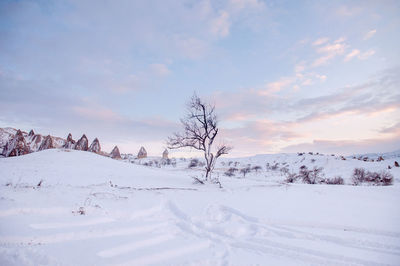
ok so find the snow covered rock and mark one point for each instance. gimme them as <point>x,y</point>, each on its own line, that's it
<point>115,153</point>
<point>142,153</point>
<point>31,133</point>
<point>95,146</point>
<point>16,146</point>
<point>6,134</point>
<point>47,143</point>
<point>70,143</point>
<point>82,144</point>
<point>165,154</point>
<point>35,142</point>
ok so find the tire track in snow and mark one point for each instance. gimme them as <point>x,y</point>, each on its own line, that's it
<point>71,224</point>
<point>166,255</point>
<point>264,245</point>
<point>81,235</point>
<point>118,250</point>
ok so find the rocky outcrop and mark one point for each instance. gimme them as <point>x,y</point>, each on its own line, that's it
<point>165,154</point>
<point>36,142</point>
<point>95,146</point>
<point>115,153</point>
<point>69,143</point>
<point>16,146</point>
<point>47,143</point>
<point>82,144</point>
<point>142,153</point>
<point>31,133</point>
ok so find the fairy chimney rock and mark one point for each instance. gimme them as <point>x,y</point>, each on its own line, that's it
<point>95,146</point>
<point>165,154</point>
<point>115,153</point>
<point>70,143</point>
<point>82,144</point>
<point>142,153</point>
<point>47,143</point>
<point>16,146</point>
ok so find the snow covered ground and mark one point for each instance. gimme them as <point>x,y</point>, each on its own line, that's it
<point>93,210</point>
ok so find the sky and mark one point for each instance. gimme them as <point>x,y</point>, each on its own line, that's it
<point>284,76</point>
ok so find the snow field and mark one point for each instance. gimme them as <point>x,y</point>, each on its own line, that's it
<point>151,216</point>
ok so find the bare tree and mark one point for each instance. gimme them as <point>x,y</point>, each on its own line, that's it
<point>200,130</point>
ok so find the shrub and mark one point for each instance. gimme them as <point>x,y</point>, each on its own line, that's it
<point>291,177</point>
<point>310,176</point>
<point>257,168</point>
<point>383,178</point>
<point>386,178</point>
<point>231,171</point>
<point>245,171</point>
<point>358,176</point>
<point>337,180</point>
<point>193,163</point>
<point>284,170</point>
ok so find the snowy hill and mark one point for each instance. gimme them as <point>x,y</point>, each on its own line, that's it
<point>67,207</point>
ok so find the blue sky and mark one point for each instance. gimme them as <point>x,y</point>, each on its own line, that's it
<point>285,76</point>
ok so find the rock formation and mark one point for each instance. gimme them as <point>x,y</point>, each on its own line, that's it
<point>82,144</point>
<point>36,142</point>
<point>396,164</point>
<point>16,146</point>
<point>31,133</point>
<point>115,153</point>
<point>142,153</point>
<point>95,146</point>
<point>70,143</point>
<point>165,154</point>
<point>47,143</point>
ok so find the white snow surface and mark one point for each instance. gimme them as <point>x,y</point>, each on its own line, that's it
<point>139,215</point>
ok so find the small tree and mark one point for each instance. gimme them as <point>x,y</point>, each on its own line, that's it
<point>200,130</point>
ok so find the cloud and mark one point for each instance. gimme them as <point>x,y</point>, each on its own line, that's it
<point>97,113</point>
<point>393,129</point>
<point>237,5</point>
<point>353,53</point>
<point>160,69</point>
<point>348,11</point>
<point>221,24</point>
<point>192,48</point>
<point>320,41</point>
<point>366,55</point>
<point>369,34</point>
<point>373,96</point>
<point>277,86</point>
<point>329,52</point>
<point>262,122</point>
<point>356,53</point>
<point>347,147</point>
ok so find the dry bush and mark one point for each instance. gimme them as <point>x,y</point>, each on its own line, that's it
<point>245,171</point>
<point>291,177</point>
<point>383,178</point>
<point>358,176</point>
<point>231,171</point>
<point>194,163</point>
<point>256,168</point>
<point>337,180</point>
<point>313,176</point>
